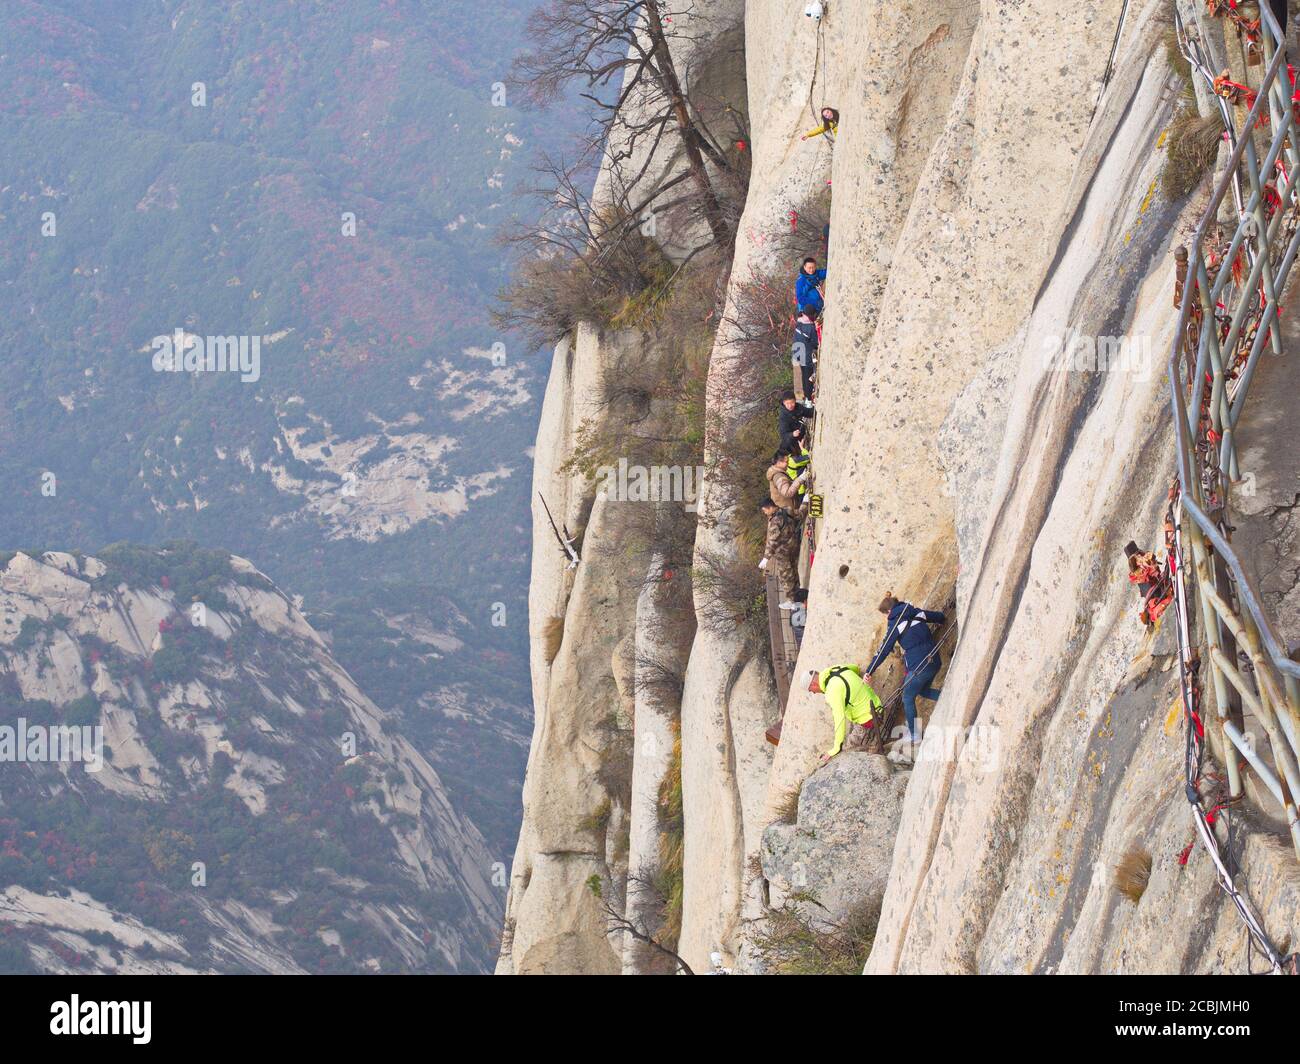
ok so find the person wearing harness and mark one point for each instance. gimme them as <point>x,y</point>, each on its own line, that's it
<point>786,488</point>
<point>790,421</point>
<point>909,627</point>
<point>830,123</point>
<point>808,286</point>
<point>1152,583</point>
<point>797,465</point>
<point>781,549</point>
<point>851,699</point>
<point>804,352</point>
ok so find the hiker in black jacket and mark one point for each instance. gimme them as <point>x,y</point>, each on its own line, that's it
<point>791,421</point>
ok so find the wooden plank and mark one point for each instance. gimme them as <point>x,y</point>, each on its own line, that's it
<point>776,636</point>
<point>781,664</point>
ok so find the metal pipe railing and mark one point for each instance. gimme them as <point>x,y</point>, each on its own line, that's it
<point>1238,318</point>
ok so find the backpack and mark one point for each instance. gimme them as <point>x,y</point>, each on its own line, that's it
<point>837,673</point>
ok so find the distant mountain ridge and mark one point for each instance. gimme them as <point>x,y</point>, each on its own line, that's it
<point>327,177</point>
<point>254,810</point>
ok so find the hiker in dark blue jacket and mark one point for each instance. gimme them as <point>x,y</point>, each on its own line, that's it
<point>803,353</point>
<point>910,628</point>
<point>807,289</point>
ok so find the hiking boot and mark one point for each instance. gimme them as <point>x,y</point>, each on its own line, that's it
<point>900,752</point>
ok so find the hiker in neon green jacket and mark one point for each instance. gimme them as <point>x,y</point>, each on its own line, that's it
<point>850,697</point>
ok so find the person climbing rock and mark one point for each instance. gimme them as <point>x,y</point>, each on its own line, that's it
<point>909,627</point>
<point>808,286</point>
<point>797,466</point>
<point>791,420</point>
<point>1152,582</point>
<point>803,355</point>
<point>781,550</point>
<point>799,615</point>
<point>852,701</point>
<point>830,125</point>
<point>783,487</point>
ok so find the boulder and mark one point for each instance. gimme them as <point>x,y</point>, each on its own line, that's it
<point>837,853</point>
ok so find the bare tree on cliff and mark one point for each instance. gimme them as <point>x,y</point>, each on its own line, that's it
<point>620,54</point>
<point>618,923</point>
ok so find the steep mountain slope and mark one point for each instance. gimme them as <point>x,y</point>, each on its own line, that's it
<point>252,811</point>
<point>989,203</point>
<point>611,635</point>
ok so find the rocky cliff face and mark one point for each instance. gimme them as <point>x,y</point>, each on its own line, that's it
<point>247,808</point>
<point>984,212</point>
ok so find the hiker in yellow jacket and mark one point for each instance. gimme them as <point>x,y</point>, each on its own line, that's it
<point>850,697</point>
<point>830,123</point>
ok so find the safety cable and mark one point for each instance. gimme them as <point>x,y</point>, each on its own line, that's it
<point>1110,63</point>
<point>887,703</point>
<point>815,114</point>
<point>813,111</point>
<point>898,691</point>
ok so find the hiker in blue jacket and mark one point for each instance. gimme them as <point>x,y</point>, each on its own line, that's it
<point>910,628</point>
<point>808,287</point>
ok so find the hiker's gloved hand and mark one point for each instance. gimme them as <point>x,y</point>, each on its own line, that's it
<point>763,564</point>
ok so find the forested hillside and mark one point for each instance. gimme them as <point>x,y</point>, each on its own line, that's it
<point>246,808</point>
<point>328,178</point>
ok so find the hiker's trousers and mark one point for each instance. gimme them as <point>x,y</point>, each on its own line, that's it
<point>917,685</point>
